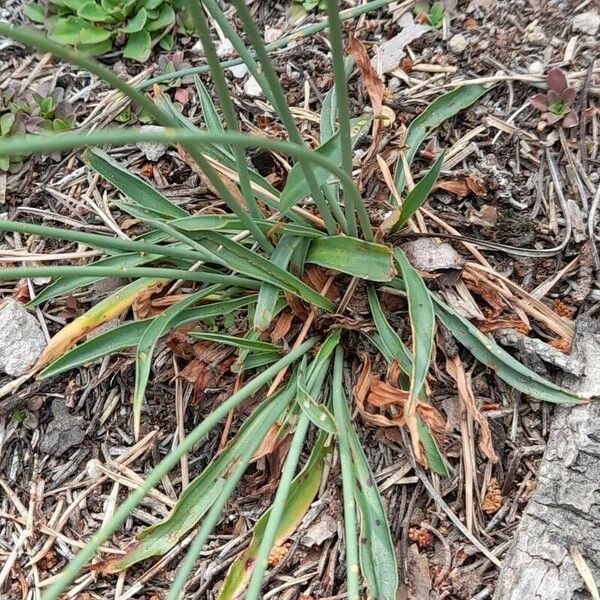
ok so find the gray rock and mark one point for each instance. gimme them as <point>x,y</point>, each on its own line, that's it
<point>587,22</point>
<point>152,150</point>
<point>458,43</point>
<point>63,432</point>
<point>425,254</point>
<point>21,339</point>
<point>239,71</point>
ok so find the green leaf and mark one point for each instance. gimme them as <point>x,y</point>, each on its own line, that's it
<point>231,224</point>
<point>166,17</point>
<point>134,187</point>
<point>241,343</point>
<point>90,11</point>
<point>269,294</point>
<point>317,412</point>
<point>201,493</point>
<point>435,460</point>
<point>392,346</point>
<point>62,286</point>
<point>129,334</point>
<point>145,348</point>
<point>328,118</point>
<point>376,549</point>
<point>417,196</point>
<point>75,30</point>
<point>6,122</point>
<point>366,260</point>
<point>138,46</point>
<point>137,22</point>
<point>96,49</point>
<point>239,258</point>
<point>433,116</point>
<point>34,12</point>
<point>302,492</point>
<point>296,187</point>
<point>209,112</point>
<point>422,323</point>
<point>510,370</point>
<point>166,42</point>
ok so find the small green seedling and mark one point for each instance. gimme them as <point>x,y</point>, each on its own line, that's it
<point>431,14</point>
<point>556,104</point>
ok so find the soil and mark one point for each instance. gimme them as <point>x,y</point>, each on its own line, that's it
<point>59,497</point>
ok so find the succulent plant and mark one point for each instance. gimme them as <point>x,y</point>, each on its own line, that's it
<point>44,111</point>
<point>97,26</point>
<point>556,104</point>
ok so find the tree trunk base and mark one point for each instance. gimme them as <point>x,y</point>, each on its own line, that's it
<point>564,510</point>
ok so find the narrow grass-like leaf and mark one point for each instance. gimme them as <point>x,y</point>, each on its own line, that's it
<point>109,308</point>
<point>367,260</point>
<point>268,295</point>
<point>317,412</point>
<point>296,187</point>
<point>201,493</point>
<point>239,258</point>
<point>134,187</point>
<point>328,118</point>
<point>277,510</point>
<point>129,335</point>
<point>509,369</point>
<point>231,224</point>
<point>376,550</point>
<point>435,460</point>
<point>241,343</point>
<point>61,287</point>
<point>302,492</point>
<point>433,116</point>
<point>344,424</point>
<point>145,348</point>
<point>255,360</point>
<point>172,459</point>
<point>422,322</point>
<point>209,112</point>
<point>417,196</point>
<point>393,348</point>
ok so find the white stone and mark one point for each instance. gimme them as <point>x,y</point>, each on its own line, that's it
<point>152,150</point>
<point>239,71</point>
<point>536,68</point>
<point>252,88</point>
<point>22,340</point>
<point>587,22</point>
<point>225,48</point>
<point>458,43</point>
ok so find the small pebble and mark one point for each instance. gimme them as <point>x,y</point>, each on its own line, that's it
<point>252,88</point>
<point>152,150</point>
<point>225,48</point>
<point>239,71</point>
<point>536,68</point>
<point>458,43</point>
<point>587,22</point>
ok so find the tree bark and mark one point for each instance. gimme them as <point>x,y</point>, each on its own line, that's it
<point>564,510</point>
